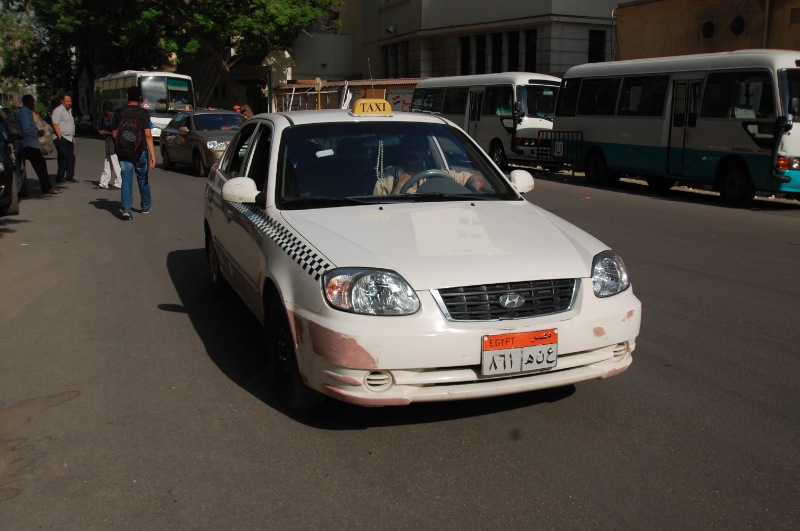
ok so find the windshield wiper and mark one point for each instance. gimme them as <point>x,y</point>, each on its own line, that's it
<point>325,202</point>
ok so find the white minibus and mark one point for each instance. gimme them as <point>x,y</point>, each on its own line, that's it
<point>502,112</point>
<point>163,94</point>
<point>723,120</point>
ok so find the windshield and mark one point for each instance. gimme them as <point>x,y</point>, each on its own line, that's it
<point>218,122</point>
<point>790,90</point>
<point>538,100</point>
<point>336,163</point>
<point>166,95</point>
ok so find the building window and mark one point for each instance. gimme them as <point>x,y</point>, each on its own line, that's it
<point>464,45</point>
<point>513,51</point>
<point>480,54</point>
<point>597,46</point>
<point>497,53</point>
<point>530,51</point>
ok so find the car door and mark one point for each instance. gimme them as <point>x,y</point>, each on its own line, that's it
<point>232,224</point>
<point>169,135</point>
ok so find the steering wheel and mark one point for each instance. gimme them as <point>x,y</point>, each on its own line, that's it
<point>427,174</point>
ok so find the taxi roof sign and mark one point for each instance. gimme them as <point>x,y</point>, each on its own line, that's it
<point>371,107</point>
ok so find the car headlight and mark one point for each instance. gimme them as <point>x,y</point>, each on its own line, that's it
<point>369,291</point>
<point>216,146</point>
<point>609,275</point>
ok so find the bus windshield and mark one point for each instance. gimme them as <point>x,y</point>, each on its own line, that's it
<point>162,94</point>
<point>537,100</point>
<point>790,90</point>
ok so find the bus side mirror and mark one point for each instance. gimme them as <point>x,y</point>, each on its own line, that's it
<point>518,112</point>
<point>783,124</point>
<point>795,107</point>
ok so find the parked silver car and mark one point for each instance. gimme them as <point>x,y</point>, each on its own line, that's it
<point>198,138</point>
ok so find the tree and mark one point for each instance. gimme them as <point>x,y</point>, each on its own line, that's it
<point>66,36</point>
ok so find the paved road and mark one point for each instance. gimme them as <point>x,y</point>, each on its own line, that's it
<point>131,399</point>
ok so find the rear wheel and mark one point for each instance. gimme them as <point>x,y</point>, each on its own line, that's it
<point>597,171</point>
<point>289,387</point>
<point>199,168</point>
<point>735,185</point>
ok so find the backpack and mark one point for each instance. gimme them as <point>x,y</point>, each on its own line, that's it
<point>129,135</point>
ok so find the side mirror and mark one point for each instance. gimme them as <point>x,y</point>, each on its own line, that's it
<point>522,180</point>
<point>518,112</point>
<point>183,129</point>
<point>240,190</point>
<point>783,123</point>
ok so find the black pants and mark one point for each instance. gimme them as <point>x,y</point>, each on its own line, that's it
<point>66,160</point>
<point>34,156</point>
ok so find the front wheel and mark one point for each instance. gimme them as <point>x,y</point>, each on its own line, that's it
<point>735,186</point>
<point>290,389</point>
<point>166,162</point>
<point>499,155</point>
<point>199,168</point>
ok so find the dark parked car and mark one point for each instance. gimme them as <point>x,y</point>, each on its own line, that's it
<point>198,138</point>
<point>12,172</point>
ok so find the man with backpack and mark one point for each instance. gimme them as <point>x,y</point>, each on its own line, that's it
<point>134,147</point>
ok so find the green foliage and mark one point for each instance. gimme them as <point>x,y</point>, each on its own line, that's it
<point>47,42</point>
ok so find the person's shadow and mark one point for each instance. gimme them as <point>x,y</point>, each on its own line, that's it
<point>109,205</point>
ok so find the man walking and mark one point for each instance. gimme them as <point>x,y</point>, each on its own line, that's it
<point>64,127</point>
<point>31,147</point>
<point>134,148</point>
<point>111,162</point>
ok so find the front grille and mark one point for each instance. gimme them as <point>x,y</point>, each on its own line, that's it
<point>482,303</point>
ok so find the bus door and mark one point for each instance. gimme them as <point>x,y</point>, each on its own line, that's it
<point>685,109</point>
<point>474,109</point>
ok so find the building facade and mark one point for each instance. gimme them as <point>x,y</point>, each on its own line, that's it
<point>659,28</point>
<point>428,38</point>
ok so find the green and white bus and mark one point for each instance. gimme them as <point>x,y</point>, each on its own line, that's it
<point>164,94</point>
<point>721,120</point>
<point>502,112</point>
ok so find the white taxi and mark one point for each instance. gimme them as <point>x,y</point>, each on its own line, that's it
<point>390,261</point>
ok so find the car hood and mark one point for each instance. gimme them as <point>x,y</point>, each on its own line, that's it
<point>439,245</point>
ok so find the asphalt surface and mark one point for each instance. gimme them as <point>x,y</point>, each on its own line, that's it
<point>130,398</point>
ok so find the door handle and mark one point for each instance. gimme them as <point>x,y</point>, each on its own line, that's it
<point>228,215</point>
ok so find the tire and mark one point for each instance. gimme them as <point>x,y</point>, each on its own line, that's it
<point>287,383</point>
<point>499,155</point>
<point>660,184</point>
<point>219,286</point>
<point>735,185</point>
<point>199,168</point>
<point>597,171</point>
<point>166,162</point>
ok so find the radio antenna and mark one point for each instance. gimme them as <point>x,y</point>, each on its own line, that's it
<point>369,66</point>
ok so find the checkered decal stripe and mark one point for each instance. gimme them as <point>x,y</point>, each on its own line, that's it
<point>305,256</point>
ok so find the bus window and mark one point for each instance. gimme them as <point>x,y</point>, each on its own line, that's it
<point>429,100</point>
<point>643,96</point>
<point>738,95</point>
<point>497,101</point>
<point>568,97</point>
<point>598,96</point>
<point>455,100</point>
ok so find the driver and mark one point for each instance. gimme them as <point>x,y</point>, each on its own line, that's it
<point>413,164</point>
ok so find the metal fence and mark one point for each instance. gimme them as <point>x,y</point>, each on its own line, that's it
<point>561,148</point>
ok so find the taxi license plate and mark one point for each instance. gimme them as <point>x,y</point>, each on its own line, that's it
<point>521,352</point>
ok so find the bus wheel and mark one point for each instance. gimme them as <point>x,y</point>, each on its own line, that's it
<point>660,184</point>
<point>499,155</point>
<point>597,170</point>
<point>735,186</point>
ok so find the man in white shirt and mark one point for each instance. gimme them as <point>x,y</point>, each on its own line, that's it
<point>64,127</point>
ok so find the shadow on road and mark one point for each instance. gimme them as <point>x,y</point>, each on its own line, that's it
<point>233,340</point>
